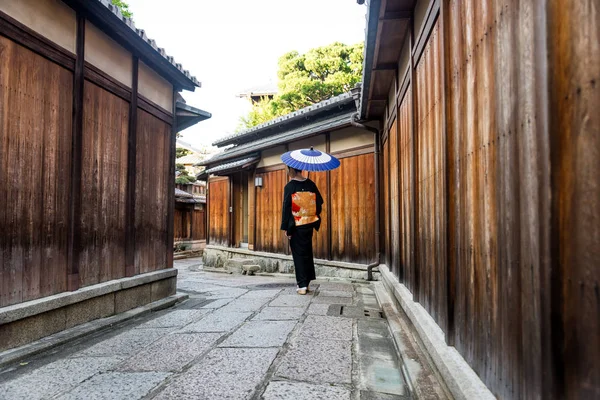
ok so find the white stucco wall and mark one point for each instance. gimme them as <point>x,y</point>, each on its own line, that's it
<point>154,87</point>
<point>105,54</point>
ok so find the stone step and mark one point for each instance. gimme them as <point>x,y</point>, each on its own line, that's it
<point>250,269</point>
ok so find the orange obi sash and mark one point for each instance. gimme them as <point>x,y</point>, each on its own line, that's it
<point>304,208</point>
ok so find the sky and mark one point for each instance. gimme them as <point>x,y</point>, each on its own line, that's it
<point>233,45</point>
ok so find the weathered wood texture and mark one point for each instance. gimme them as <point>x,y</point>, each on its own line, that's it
<point>320,238</point>
<point>35,173</point>
<point>182,224</point>
<point>406,192</point>
<point>218,193</point>
<point>103,187</point>
<point>269,203</point>
<point>152,205</point>
<point>394,199</point>
<point>574,82</point>
<point>199,225</point>
<point>385,231</point>
<point>352,204</point>
<point>430,181</point>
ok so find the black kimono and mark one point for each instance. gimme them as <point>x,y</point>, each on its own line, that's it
<point>302,204</point>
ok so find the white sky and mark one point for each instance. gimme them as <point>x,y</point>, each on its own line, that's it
<point>232,45</point>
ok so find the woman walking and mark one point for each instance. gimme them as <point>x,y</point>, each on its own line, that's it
<point>302,204</point>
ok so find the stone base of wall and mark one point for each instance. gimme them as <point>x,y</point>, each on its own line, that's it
<point>24,323</point>
<point>216,256</point>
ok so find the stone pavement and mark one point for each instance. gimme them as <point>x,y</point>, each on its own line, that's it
<point>237,337</point>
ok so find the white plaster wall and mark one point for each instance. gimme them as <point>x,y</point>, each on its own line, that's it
<point>154,87</point>
<point>404,62</point>
<point>317,142</point>
<point>271,156</point>
<point>50,18</point>
<point>420,15</point>
<point>105,54</point>
<point>350,138</point>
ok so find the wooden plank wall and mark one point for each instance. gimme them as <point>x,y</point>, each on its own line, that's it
<point>151,205</point>
<point>352,202</point>
<point>199,227</point>
<point>181,224</point>
<point>320,238</point>
<point>218,192</point>
<point>430,181</point>
<point>269,203</point>
<point>103,196</point>
<point>386,206</point>
<point>407,188</point>
<point>574,96</point>
<point>35,174</point>
<point>394,199</point>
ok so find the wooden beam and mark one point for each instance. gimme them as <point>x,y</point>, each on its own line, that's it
<point>396,15</point>
<point>329,208</point>
<point>105,81</point>
<point>414,230</point>
<point>432,13</point>
<point>385,67</point>
<point>74,236</point>
<point>171,187</point>
<point>131,172</point>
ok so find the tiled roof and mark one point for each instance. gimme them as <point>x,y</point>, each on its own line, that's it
<point>233,164</point>
<point>184,194</point>
<point>266,89</point>
<point>141,33</point>
<point>189,159</point>
<point>302,113</point>
<point>313,128</point>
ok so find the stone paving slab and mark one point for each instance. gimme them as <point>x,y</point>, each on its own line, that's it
<point>381,375</point>
<point>256,294</point>
<point>225,373</point>
<point>126,343</point>
<point>225,293</point>
<point>174,318</point>
<point>335,293</point>
<point>285,390</point>
<point>279,314</point>
<point>171,353</point>
<point>318,309</point>
<point>56,377</point>
<point>218,322</point>
<point>291,300</point>
<point>217,303</point>
<point>332,300</point>
<point>323,327</point>
<point>260,334</point>
<point>318,361</point>
<point>245,304</point>
<point>116,386</point>
<point>337,286</point>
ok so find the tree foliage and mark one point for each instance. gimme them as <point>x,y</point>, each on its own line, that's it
<point>309,78</point>
<point>124,7</point>
<point>181,152</point>
<point>184,177</point>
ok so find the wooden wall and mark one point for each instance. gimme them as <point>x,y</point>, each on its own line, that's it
<point>320,238</point>
<point>218,203</point>
<point>352,204</point>
<point>385,229</point>
<point>151,193</point>
<point>185,228</point>
<point>507,216</point>
<point>269,203</point>
<point>199,225</point>
<point>104,186</point>
<point>394,199</point>
<point>35,174</point>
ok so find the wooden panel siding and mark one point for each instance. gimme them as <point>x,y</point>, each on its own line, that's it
<point>104,186</point>
<point>430,180</point>
<point>152,187</point>
<point>352,204</point>
<point>218,193</point>
<point>35,170</point>
<point>320,238</point>
<point>406,191</point>
<point>199,225</point>
<point>269,203</point>
<point>386,203</point>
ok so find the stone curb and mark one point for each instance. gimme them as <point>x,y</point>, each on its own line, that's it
<point>49,342</point>
<point>34,307</point>
<point>462,382</point>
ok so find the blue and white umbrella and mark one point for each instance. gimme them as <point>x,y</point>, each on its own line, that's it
<point>310,160</point>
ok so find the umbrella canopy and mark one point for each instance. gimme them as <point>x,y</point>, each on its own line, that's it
<point>310,160</point>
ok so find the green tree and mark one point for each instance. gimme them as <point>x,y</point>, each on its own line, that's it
<point>309,78</point>
<point>184,177</point>
<point>124,7</point>
<point>180,152</point>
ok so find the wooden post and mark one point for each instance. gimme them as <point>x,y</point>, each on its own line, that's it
<point>171,185</point>
<point>74,236</point>
<point>413,81</point>
<point>131,172</point>
<point>329,230</point>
